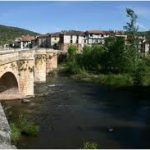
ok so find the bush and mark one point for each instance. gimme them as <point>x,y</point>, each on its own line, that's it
<point>89,145</point>
<point>27,127</point>
<point>116,80</point>
<point>72,50</point>
<point>15,133</point>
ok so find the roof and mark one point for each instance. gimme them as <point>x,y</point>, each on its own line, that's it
<point>55,34</point>
<point>104,32</point>
<point>120,32</point>
<point>95,32</point>
<point>72,32</point>
<point>27,38</point>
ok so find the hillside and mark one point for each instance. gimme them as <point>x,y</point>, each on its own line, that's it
<point>8,33</point>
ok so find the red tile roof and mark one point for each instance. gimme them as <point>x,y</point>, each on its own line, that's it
<point>27,38</point>
<point>95,32</point>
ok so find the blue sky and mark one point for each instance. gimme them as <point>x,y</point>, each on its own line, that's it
<point>53,16</point>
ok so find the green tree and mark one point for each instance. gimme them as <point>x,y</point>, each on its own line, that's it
<point>132,39</point>
<point>114,58</point>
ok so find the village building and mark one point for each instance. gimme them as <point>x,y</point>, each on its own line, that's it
<point>72,37</point>
<point>23,42</point>
<point>62,40</point>
<point>95,37</point>
<point>42,41</point>
<point>54,40</point>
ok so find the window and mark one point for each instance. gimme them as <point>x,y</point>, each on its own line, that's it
<point>77,41</point>
<point>71,41</point>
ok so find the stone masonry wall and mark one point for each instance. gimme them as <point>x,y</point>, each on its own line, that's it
<point>5,141</point>
<point>51,62</point>
<point>40,66</point>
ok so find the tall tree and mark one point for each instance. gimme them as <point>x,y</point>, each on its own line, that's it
<point>132,38</point>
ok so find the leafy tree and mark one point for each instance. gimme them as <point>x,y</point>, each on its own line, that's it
<point>132,39</point>
<point>91,57</point>
<point>72,50</point>
<point>114,58</point>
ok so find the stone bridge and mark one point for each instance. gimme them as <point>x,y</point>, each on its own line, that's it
<point>20,69</point>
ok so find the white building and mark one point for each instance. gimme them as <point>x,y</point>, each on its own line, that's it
<point>68,38</point>
<point>95,36</point>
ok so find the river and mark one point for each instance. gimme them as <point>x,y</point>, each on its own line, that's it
<point>72,112</point>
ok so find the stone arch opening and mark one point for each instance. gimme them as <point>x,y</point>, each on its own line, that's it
<point>8,86</point>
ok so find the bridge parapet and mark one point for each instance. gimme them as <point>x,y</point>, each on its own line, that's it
<point>9,57</point>
<point>28,54</point>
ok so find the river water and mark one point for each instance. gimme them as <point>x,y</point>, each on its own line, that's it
<point>72,112</point>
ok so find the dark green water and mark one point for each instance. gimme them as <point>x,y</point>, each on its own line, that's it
<point>74,112</point>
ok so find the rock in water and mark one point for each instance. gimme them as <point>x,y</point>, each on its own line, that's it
<point>110,129</point>
<point>52,85</point>
<point>26,101</point>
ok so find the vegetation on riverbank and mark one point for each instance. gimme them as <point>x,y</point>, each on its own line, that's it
<point>23,127</point>
<point>89,145</point>
<point>115,63</point>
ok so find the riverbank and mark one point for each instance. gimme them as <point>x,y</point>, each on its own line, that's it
<point>111,80</point>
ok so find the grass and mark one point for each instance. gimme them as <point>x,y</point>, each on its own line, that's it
<point>89,145</point>
<point>27,127</point>
<point>15,133</point>
<point>23,127</point>
<point>115,80</point>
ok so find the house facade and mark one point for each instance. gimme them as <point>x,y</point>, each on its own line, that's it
<point>95,37</point>
<point>54,40</point>
<point>68,38</point>
<point>25,41</point>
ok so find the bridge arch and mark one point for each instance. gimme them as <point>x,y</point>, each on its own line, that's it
<point>9,86</point>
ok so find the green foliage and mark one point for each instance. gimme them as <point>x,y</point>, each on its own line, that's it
<point>23,127</point>
<point>27,127</point>
<point>114,59</point>
<point>116,80</point>
<point>72,65</point>
<point>132,32</point>
<point>119,63</point>
<point>15,133</point>
<point>8,34</point>
<point>131,27</point>
<point>72,50</point>
<point>91,57</point>
<point>89,145</point>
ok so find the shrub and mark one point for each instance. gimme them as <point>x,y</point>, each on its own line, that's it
<point>15,133</point>
<point>89,145</point>
<point>116,80</point>
<point>72,50</point>
<point>27,127</point>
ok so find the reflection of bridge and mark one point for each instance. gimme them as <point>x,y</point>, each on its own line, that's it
<point>20,69</point>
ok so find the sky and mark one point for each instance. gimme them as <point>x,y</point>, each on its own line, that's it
<point>53,16</point>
